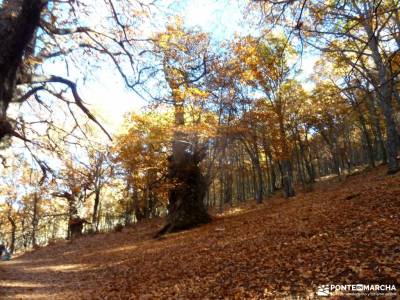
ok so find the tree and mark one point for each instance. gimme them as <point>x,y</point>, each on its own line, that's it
<point>264,67</point>
<point>361,34</point>
<point>36,32</point>
<point>74,186</point>
<point>326,115</point>
<point>19,21</point>
<point>184,56</point>
<point>99,172</point>
<point>140,155</point>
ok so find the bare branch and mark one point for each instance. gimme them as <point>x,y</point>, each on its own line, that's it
<point>77,98</point>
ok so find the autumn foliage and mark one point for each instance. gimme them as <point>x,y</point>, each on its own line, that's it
<point>291,118</point>
<point>274,250</point>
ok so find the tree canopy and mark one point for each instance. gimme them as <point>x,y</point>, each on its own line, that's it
<point>309,91</point>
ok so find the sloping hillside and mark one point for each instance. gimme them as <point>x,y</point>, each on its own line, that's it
<point>341,233</point>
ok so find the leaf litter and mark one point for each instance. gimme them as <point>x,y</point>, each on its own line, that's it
<point>341,233</point>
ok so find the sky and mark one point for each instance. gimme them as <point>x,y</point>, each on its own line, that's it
<point>106,94</point>
<point>220,18</point>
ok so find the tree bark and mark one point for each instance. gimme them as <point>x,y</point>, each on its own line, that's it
<point>331,141</point>
<point>13,230</point>
<point>186,207</point>
<point>34,220</point>
<point>385,92</point>
<point>378,130</point>
<point>287,172</point>
<point>270,166</point>
<point>368,145</point>
<point>287,179</point>
<point>307,158</point>
<point>19,20</point>
<point>228,187</point>
<point>95,224</point>
<point>260,182</point>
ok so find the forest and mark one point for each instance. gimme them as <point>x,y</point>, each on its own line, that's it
<point>143,137</point>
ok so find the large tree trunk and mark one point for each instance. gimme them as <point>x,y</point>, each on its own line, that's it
<point>385,92</point>
<point>392,141</point>
<point>18,22</point>
<point>186,207</point>
<point>381,152</point>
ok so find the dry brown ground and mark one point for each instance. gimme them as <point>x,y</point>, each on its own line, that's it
<point>341,233</point>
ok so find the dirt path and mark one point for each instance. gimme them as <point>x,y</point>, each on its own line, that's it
<point>32,278</point>
<point>340,233</point>
<point>67,269</point>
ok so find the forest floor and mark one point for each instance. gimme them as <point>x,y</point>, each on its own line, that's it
<point>341,233</point>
